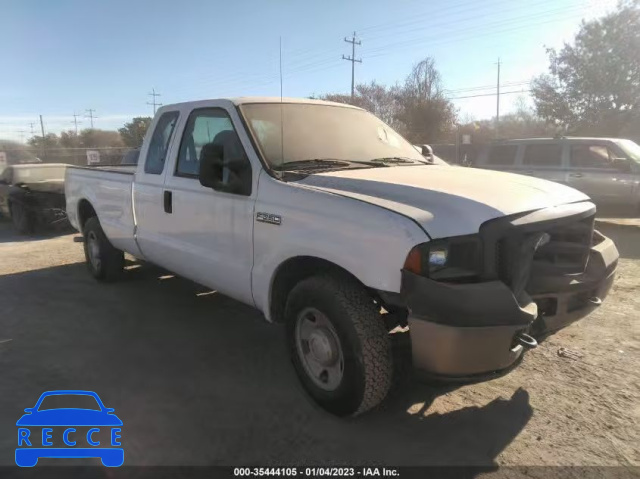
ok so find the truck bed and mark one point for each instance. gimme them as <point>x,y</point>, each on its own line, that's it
<point>109,190</point>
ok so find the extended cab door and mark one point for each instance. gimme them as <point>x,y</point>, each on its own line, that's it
<point>208,231</point>
<point>593,170</point>
<point>148,194</point>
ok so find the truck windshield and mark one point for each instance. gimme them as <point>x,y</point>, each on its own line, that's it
<point>315,132</point>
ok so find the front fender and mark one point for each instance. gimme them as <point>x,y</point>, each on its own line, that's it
<point>369,242</point>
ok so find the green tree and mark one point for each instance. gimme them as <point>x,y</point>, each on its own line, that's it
<point>133,132</point>
<point>593,85</point>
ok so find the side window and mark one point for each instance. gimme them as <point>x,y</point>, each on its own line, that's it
<point>502,155</point>
<point>543,155</point>
<point>159,144</point>
<point>591,156</point>
<point>210,134</point>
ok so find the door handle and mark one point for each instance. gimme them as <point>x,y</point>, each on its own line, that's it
<point>168,202</point>
<point>576,175</point>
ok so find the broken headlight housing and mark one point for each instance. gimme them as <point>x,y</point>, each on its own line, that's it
<point>454,260</point>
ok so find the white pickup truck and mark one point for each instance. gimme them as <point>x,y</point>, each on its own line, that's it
<point>325,219</point>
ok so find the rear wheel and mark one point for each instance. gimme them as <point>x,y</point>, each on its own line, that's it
<point>105,262</point>
<point>22,219</point>
<point>339,345</point>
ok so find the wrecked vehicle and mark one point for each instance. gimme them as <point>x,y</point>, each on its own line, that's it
<point>325,219</point>
<point>32,195</point>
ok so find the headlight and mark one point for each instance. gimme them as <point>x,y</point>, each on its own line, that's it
<point>457,259</point>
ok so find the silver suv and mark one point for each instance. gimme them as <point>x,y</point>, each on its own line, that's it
<point>606,169</point>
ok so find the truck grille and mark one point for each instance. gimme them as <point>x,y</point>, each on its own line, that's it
<point>559,249</point>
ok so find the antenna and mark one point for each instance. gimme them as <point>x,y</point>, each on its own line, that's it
<point>281,110</point>
<point>280,69</point>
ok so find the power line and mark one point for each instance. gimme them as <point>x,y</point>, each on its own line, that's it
<point>353,60</point>
<point>487,87</point>
<point>489,29</point>
<point>488,94</point>
<point>90,116</point>
<point>153,102</point>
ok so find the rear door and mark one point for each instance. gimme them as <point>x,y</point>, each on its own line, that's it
<point>148,186</point>
<point>592,170</point>
<point>544,160</point>
<point>501,157</point>
<point>208,233</point>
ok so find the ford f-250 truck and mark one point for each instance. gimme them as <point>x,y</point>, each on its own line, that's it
<point>325,219</point>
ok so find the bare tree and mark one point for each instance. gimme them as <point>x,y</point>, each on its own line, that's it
<point>424,81</point>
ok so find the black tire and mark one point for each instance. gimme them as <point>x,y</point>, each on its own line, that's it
<point>110,262</point>
<point>22,218</point>
<point>366,347</point>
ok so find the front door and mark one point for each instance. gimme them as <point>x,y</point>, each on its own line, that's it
<point>209,233</point>
<point>593,171</point>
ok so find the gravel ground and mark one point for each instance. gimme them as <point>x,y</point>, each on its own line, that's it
<point>198,378</point>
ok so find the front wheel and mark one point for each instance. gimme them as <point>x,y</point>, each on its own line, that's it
<point>338,344</point>
<point>105,262</point>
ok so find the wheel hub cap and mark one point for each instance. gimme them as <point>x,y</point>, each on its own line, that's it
<point>323,347</point>
<point>94,250</point>
<point>319,349</point>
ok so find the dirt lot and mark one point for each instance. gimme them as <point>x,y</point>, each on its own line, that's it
<point>198,378</point>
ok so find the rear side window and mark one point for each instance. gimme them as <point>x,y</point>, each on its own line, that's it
<point>591,156</point>
<point>157,153</point>
<point>502,155</point>
<point>543,155</point>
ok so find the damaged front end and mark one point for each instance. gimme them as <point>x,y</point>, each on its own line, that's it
<point>477,302</point>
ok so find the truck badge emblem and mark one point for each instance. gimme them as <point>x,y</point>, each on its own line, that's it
<point>269,218</point>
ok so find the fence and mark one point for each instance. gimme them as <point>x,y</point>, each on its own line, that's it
<point>72,156</point>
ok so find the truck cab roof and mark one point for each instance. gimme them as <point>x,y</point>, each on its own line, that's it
<point>244,100</point>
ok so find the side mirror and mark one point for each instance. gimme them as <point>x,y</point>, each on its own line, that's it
<point>211,165</point>
<point>622,164</point>
<point>427,152</point>
<point>29,410</point>
<point>212,170</point>
<point>109,410</point>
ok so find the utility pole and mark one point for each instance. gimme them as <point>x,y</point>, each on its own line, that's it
<point>153,102</point>
<point>498,102</point>
<point>31,125</point>
<point>353,60</point>
<point>43,153</point>
<point>90,116</point>
<point>75,122</point>
<point>22,132</point>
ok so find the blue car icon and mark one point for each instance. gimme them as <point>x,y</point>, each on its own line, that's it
<point>86,423</point>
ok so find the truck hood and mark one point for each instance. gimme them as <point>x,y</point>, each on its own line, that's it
<point>444,200</point>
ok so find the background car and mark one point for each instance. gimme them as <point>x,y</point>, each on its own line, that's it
<point>606,169</point>
<point>32,195</point>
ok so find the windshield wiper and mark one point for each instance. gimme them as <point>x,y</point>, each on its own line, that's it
<point>397,159</point>
<point>315,163</point>
<point>311,163</point>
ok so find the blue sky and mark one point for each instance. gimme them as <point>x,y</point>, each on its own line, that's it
<point>65,56</point>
